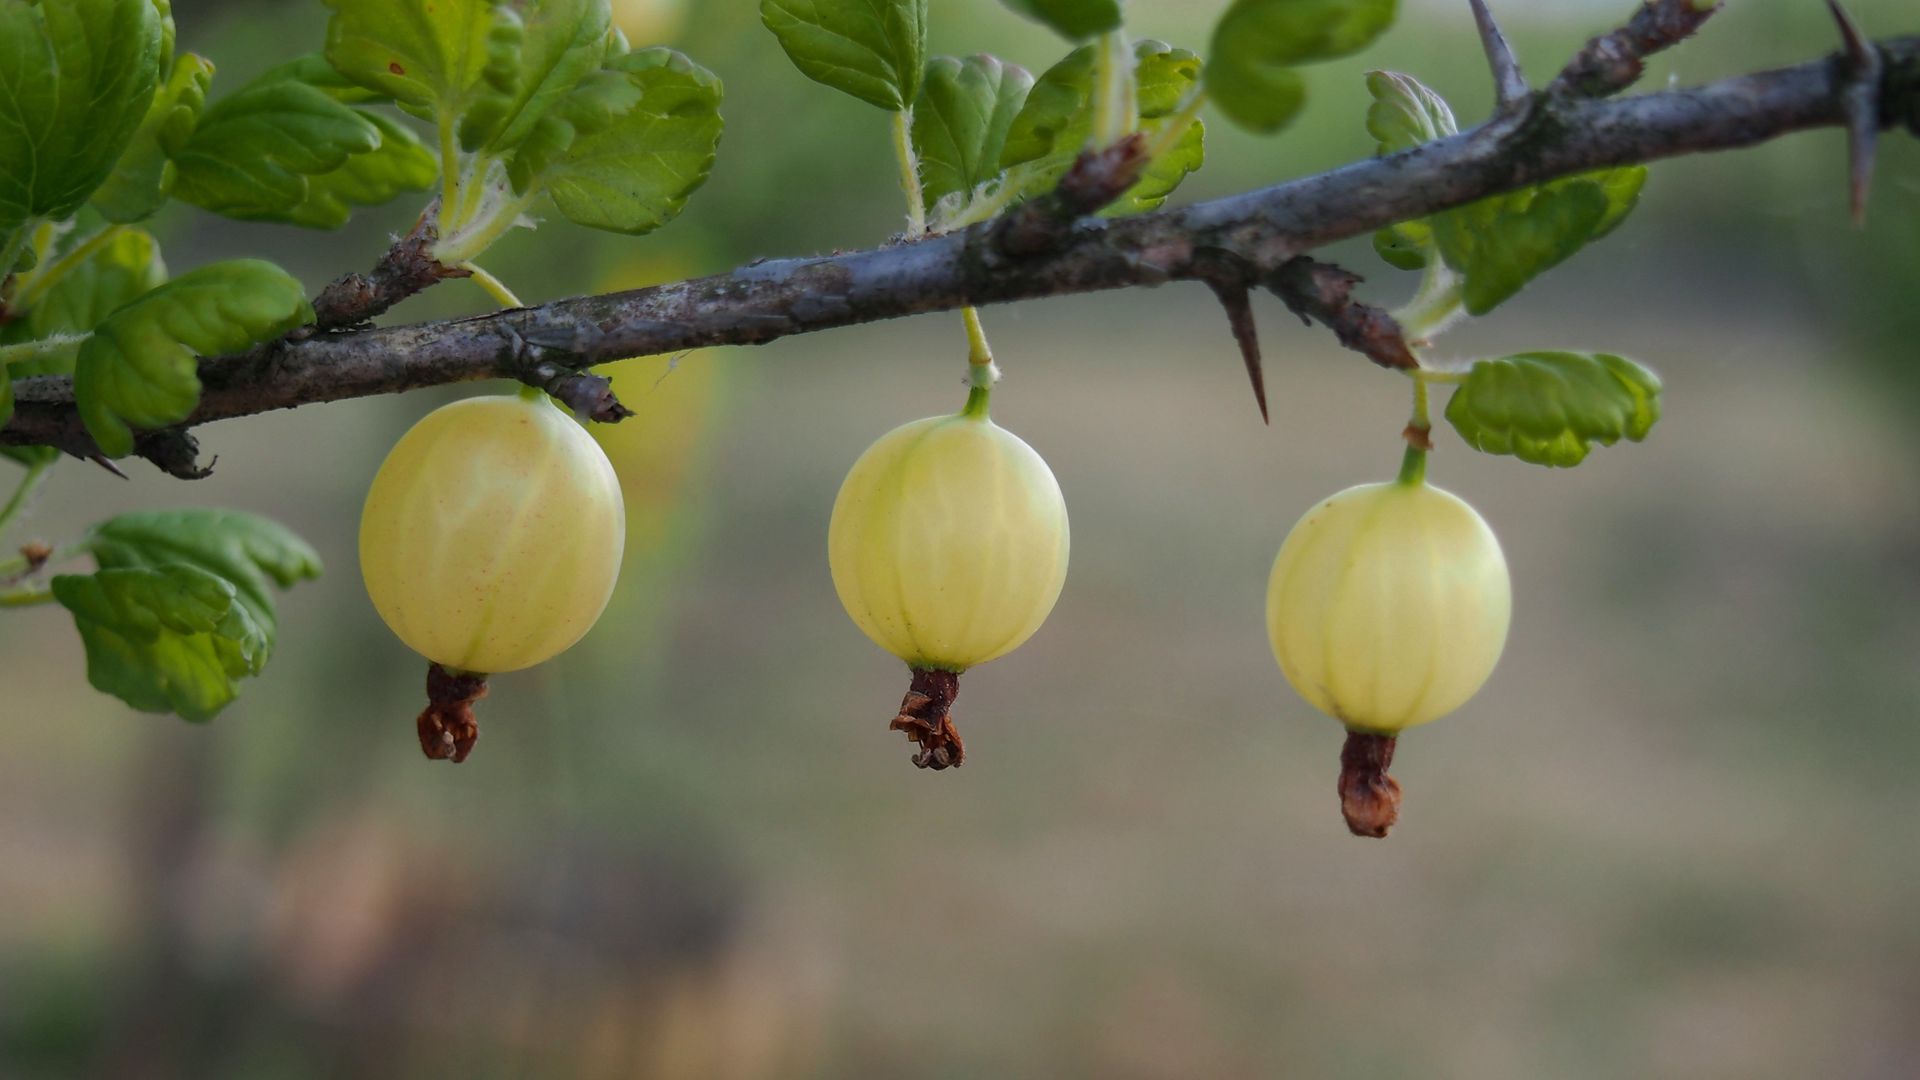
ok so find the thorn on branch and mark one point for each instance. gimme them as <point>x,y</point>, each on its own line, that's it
<point>1094,180</point>
<point>1233,298</point>
<point>1860,100</point>
<point>1509,85</point>
<point>406,268</point>
<point>1614,61</point>
<point>1322,292</point>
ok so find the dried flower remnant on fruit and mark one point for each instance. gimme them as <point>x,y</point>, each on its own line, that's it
<point>1369,798</point>
<point>448,728</point>
<point>924,716</point>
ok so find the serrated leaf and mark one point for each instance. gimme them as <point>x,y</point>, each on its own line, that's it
<point>253,553</point>
<point>124,266</point>
<point>1076,20</point>
<point>139,369</point>
<point>872,49</point>
<point>78,78</point>
<point>182,605</point>
<point>1165,173</point>
<point>1258,43</point>
<point>1056,122</point>
<point>593,105</point>
<point>431,57</point>
<point>1499,244</point>
<point>1549,407</point>
<point>170,639</point>
<point>1405,113</point>
<point>398,164</point>
<point>635,174</point>
<point>960,123</point>
<point>139,182</point>
<point>253,150</point>
<point>563,41</point>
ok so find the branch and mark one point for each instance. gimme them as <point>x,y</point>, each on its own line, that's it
<point>1245,237</point>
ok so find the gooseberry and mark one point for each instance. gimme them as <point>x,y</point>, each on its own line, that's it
<point>948,546</point>
<point>1387,607</point>
<point>489,542</point>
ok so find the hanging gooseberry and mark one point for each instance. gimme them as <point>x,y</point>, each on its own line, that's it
<point>490,541</point>
<point>948,547</point>
<point>1388,607</point>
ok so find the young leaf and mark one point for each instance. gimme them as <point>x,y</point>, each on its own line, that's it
<point>139,369</point>
<point>1408,245</point>
<point>400,163</point>
<point>1257,43</point>
<point>78,76</point>
<point>1498,244</point>
<point>1405,113</point>
<point>1076,20</point>
<point>253,150</point>
<point>431,57</point>
<point>125,266</point>
<point>634,175</point>
<point>1056,123</point>
<point>562,42</point>
<point>182,605</point>
<point>1548,407</point>
<point>872,49</point>
<point>23,456</point>
<point>140,181</point>
<point>960,123</point>
<point>1165,172</point>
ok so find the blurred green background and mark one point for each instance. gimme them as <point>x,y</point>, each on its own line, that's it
<point>1675,836</point>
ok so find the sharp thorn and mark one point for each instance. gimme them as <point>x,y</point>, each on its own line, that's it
<point>106,463</point>
<point>1860,99</point>
<point>1509,85</point>
<point>1233,297</point>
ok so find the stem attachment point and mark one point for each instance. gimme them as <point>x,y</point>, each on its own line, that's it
<point>448,728</point>
<point>1369,798</point>
<point>924,717</point>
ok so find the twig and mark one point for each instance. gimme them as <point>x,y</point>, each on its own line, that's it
<point>1257,231</point>
<point>1612,62</point>
<point>1323,293</point>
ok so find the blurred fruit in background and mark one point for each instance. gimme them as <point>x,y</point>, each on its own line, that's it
<point>650,22</point>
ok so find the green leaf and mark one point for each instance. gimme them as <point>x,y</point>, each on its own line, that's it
<point>960,124</point>
<point>1408,245</point>
<point>253,150</point>
<point>78,76</point>
<point>1076,20</point>
<point>1499,244</point>
<point>182,605</point>
<point>125,266</point>
<point>1056,123</point>
<point>400,163</point>
<point>635,174</point>
<point>24,456</point>
<point>1164,174</point>
<point>1257,43</point>
<point>872,49</point>
<point>252,552</point>
<point>1405,113</point>
<point>563,42</point>
<point>1549,407</point>
<point>432,57</point>
<point>140,180</point>
<point>140,367</point>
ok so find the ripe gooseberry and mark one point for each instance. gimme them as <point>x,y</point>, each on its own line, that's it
<point>1388,607</point>
<point>489,542</point>
<point>948,547</point>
